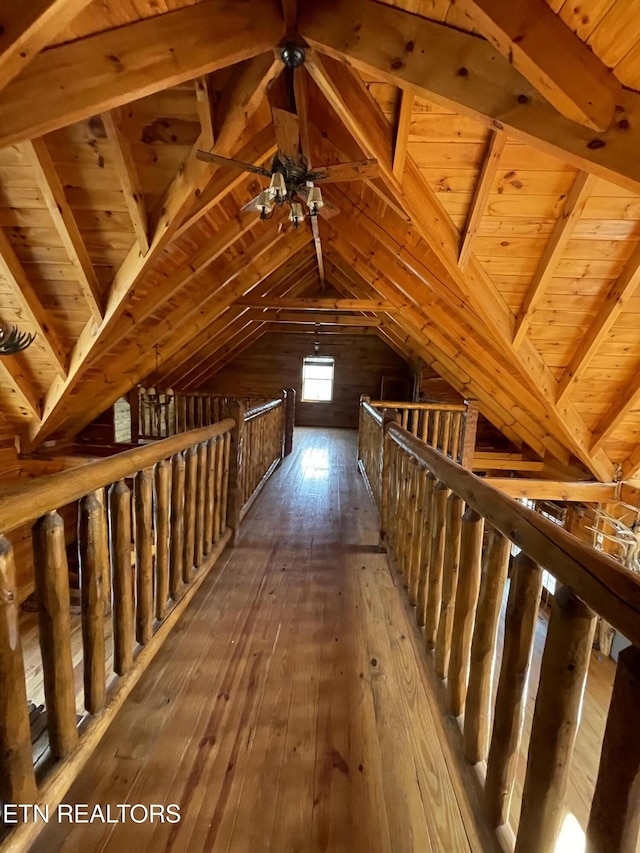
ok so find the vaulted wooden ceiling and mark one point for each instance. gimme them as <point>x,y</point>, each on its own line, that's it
<point>499,242</point>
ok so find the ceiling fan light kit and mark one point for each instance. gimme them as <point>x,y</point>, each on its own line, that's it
<point>296,214</point>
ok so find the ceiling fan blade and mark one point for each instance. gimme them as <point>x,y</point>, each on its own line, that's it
<point>250,205</point>
<point>287,129</point>
<point>236,164</point>
<point>353,171</point>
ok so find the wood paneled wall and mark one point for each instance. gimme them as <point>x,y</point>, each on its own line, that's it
<point>274,362</point>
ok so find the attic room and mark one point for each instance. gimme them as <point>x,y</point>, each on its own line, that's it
<point>320,426</point>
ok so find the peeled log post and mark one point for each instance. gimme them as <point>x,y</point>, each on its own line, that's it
<point>290,418</point>
<point>425,556</point>
<point>201,501</point>
<point>416,545</point>
<point>235,497</point>
<point>389,416</point>
<point>436,559</point>
<point>176,556</point>
<point>52,586</point>
<point>163,534</point>
<point>17,779</point>
<point>450,568</point>
<point>519,632</point>
<point>495,565</point>
<point>465,608</point>
<point>94,560</point>
<point>563,676</point>
<point>615,811</point>
<point>120,548</point>
<point>190,507</point>
<point>209,534</point>
<point>218,452</point>
<point>143,496</point>
<point>224,503</point>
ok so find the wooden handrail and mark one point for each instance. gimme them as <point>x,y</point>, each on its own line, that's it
<point>25,501</point>
<point>371,410</point>
<point>262,409</point>
<point>421,407</point>
<point>601,582</point>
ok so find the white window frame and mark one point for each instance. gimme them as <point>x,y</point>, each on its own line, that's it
<point>318,359</point>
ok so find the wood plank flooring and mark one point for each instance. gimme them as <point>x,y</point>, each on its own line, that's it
<point>289,709</point>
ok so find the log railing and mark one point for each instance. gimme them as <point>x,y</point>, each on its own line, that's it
<point>151,522</point>
<point>449,427</point>
<point>450,536</point>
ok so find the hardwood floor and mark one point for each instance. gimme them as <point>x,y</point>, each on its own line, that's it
<point>289,709</point>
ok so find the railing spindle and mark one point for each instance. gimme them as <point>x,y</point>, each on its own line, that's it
<point>176,562</point>
<point>495,565</point>
<point>563,677</point>
<point>423,574</point>
<point>465,608</point>
<point>143,497</point>
<point>120,549</point>
<point>17,779</point>
<point>614,822</point>
<point>519,632</point>
<point>209,534</point>
<point>93,553</point>
<point>416,545</point>
<point>436,558</point>
<point>190,507</point>
<point>451,564</point>
<point>163,535</point>
<point>54,620</point>
<point>201,501</point>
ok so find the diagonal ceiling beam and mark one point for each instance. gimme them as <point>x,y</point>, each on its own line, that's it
<point>24,293</point>
<point>484,184</point>
<point>315,303</point>
<point>403,129</point>
<point>614,417</point>
<point>204,106</point>
<point>38,157</point>
<point>304,317</point>
<point>467,74</point>
<point>617,298</point>
<point>128,177</point>
<point>95,74</point>
<point>28,26</point>
<point>18,391</point>
<point>350,98</point>
<point>575,202</point>
<point>542,47</point>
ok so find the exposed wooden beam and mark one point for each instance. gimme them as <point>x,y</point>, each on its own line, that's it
<point>31,306</point>
<point>290,15</point>
<point>306,329</point>
<point>352,101</point>
<point>303,317</point>
<point>490,461</point>
<point>484,183</point>
<point>17,386</point>
<point>28,26</point>
<point>468,75</point>
<point>627,402</point>
<point>315,228</point>
<point>316,303</point>
<point>128,177</point>
<point>549,490</point>
<point>403,127</point>
<point>562,67</point>
<point>545,270</point>
<point>618,297</point>
<point>103,71</point>
<point>54,196</point>
<point>205,113</point>
<point>631,466</point>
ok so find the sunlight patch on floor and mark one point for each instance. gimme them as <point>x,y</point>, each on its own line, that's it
<point>315,463</point>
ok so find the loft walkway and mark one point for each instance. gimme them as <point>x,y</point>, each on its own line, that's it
<point>288,710</point>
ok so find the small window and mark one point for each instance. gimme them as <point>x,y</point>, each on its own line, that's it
<point>317,379</point>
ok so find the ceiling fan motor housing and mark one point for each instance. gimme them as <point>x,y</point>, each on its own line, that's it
<point>293,55</point>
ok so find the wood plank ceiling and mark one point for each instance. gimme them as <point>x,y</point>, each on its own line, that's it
<point>499,243</point>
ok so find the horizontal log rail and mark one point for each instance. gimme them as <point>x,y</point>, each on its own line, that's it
<point>151,522</point>
<point>450,536</point>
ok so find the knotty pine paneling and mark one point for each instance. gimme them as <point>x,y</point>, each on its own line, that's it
<point>274,362</point>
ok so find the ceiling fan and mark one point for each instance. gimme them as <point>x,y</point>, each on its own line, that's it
<point>292,182</point>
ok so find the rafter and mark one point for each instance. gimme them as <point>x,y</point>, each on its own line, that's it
<point>356,107</point>
<point>31,306</point>
<point>17,386</point>
<point>484,184</point>
<point>403,127</point>
<point>316,303</point>
<point>128,177</point>
<point>54,196</point>
<point>560,236</point>
<point>616,300</point>
<point>614,417</point>
<point>303,317</point>
<point>104,71</point>
<point>27,27</point>
<point>562,67</point>
<point>205,113</point>
<point>466,74</point>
